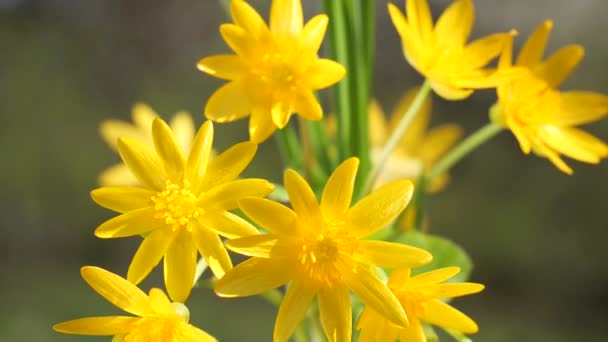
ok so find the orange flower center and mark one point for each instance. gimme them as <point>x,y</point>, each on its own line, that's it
<point>176,205</point>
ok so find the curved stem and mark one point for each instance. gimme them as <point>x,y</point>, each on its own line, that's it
<point>397,134</point>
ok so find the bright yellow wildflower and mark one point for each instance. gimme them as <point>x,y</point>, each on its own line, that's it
<point>182,206</point>
<point>419,149</point>
<point>542,118</point>
<point>441,54</point>
<point>274,71</point>
<point>420,297</point>
<point>320,249</point>
<point>157,318</point>
<point>142,115</point>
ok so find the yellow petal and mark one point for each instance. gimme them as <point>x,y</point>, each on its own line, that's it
<point>302,198</point>
<point>450,92</point>
<point>183,130</point>
<point>122,198</point>
<point>128,224</point>
<point>212,249</point>
<point>143,162</point>
<point>225,196</point>
<point>228,103</point>
<point>98,326</point>
<point>412,139</point>
<point>229,164</point>
<point>481,51</point>
<point>264,246</point>
<point>435,276</point>
<point>441,314</point>
<point>293,308</point>
<point>280,113</point>
<point>272,216</point>
<point>399,277</point>
<point>380,207</point>
<point>168,150</point>
<point>286,17</point>
<point>533,50</point>
<point>324,73</point>
<point>245,16</point>
<point>180,266</point>
<point>111,130</point>
<point>198,159</point>
<point>419,17</point>
<point>336,315</point>
<point>117,290</point>
<point>149,254</point>
<point>254,276</point>
<point>260,125</point>
<point>442,291</point>
<point>194,334</point>
<point>581,107</point>
<point>392,255</point>
<point>160,302</point>
<point>239,40</point>
<point>377,124</point>
<point>438,142</point>
<point>307,106</point>
<point>338,191</point>
<point>142,116</point>
<point>454,25</point>
<point>413,333</point>
<point>226,67</point>
<point>375,294</point>
<point>314,31</point>
<point>559,65</point>
<point>227,224</point>
<point>570,145</point>
<point>118,174</point>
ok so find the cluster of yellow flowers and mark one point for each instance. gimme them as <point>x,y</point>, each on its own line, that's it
<point>173,190</point>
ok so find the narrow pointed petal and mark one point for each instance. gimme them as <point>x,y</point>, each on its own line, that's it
<point>111,130</point>
<point>98,326</point>
<point>302,198</point>
<point>441,314</point>
<point>117,290</point>
<point>142,116</point>
<point>399,278</point>
<point>581,107</point>
<point>246,17</point>
<point>456,22</point>
<point>374,293</point>
<point>338,191</point>
<point>254,276</point>
<point>559,65</point>
<point>226,67</point>
<point>227,224</point>
<point>264,246</point>
<point>117,175</point>
<point>180,266</point>
<point>122,199</point>
<point>128,224</point>
<point>533,50</point>
<point>419,17</point>
<point>168,150</point>
<point>314,31</point>
<point>412,138</point>
<point>392,255</point>
<point>568,145</point>
<point>336,313</point>
<point>413,333</point>
<point>225,196</point>
<point>481,51</point>
<point>194,334</point>
<point>293,308</point>
<point>228,165</point>
<point>212,249</point>
<point>380,207</point>
<point>149,254</point>
<point>307,106</point>
<point>377,123</point>
<point>324,73</point>
<point>239,40</point>
<point>442,291</point>
<point>438,142</point>
<point>286,17</point>
<point>280,113</point>
<point>160,302</point>
<point>198,159</point>
<point>143,162</point>
<point>228,103</point>
<point>272,216</point>
<point>449,92</point>
<point>435,276</point>
<point>260,125</point>
<point>183,129</point>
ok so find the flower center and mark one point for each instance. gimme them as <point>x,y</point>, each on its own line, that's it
<point>412,303</point>
<point>275,71</point>
<point>176,205</point>
<point>531,100</point>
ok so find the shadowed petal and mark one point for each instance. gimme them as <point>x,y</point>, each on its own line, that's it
<point>225,196</point>
<point>212,249</point>
<point>272,216</point>
<point>254,276</point>
<point>160,302</point>
<point>122,198</point>
<point>559,65</point>
<point>338,191</point>
<point>98,326</point>
<point>168,150</point>
<point>307,106</point>
<point>293,308</point>
<point>450,92</point>
<point>111,130</point>
<point>246,17</point>
<point>239,40</point>
<point>149,254</point>
<point>179,266</point>
<point>226,67</point>
<point>183,129</point>
<point>571,145</point>
<point>118,174</point>
<point>392,255</point>
<point>413,333</point>
<point>193,334</point>
<point>455,23</point>
<point>227,224</point>
<point>581,107</point>
<point>264,246</point>
<point>229,103</point>
<point>143,162</point>
<point>336,315</point>
<point>131,223</point>
<point>260,125</point>
<point>441,314</point>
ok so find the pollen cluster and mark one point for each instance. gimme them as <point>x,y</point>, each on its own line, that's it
<point>176,205</point>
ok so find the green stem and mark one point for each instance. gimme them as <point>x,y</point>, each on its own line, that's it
<point>289,147</point>
<point>397,134</point>
<point>473,141</point>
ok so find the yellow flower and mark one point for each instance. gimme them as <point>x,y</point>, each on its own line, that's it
<point>142,115</point>
<point>182,205</point>
<point>441,54</point>
<point>420,297</point>
<point>320,249</point>
<point>542,118</point>
<point>418,150</point>
<point>157,318</point>
<point>274,71</point>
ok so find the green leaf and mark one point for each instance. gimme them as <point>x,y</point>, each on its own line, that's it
<point>445,253</point>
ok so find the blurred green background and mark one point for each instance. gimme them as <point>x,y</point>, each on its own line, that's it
<point>537,237</point>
